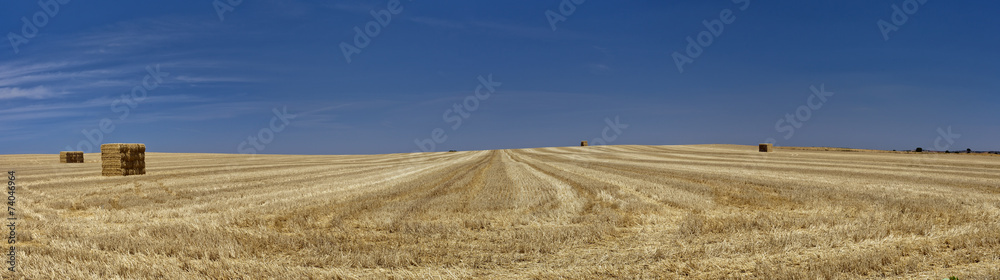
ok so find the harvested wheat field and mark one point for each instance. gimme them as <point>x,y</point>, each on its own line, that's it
<point>696,212</point>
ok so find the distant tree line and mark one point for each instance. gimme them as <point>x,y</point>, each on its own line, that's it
<point>968,151</point>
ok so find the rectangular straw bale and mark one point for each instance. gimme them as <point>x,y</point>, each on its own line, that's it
<point>118,159</point>
<point>766,148</point>
<point>583,143</point>
<point>74,157</point>
<point>123,157</point>
<point>123,148</point>
<point>122,172</point>
<point>71,157</point>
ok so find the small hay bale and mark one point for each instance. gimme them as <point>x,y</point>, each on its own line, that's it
<point>766,148</point>
<point>71,157</point>
<point>123,159</point>
<point>583,144</point>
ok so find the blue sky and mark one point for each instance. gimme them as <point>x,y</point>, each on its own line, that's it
<point>222,79</point>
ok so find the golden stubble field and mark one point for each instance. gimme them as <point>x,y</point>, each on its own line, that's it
<point>695,212</point>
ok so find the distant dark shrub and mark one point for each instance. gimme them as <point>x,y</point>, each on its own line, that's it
<point>920,150</point>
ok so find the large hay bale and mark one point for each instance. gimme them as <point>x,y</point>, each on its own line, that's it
<point>123,159</point>
<point>766,148</point>
<point>71,157</point>
<point>583,144</point>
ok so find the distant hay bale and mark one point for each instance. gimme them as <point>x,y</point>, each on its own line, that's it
<point>766,148</point>
<point>71,157</point>
<point>123,159</point>
<point>583,144</point>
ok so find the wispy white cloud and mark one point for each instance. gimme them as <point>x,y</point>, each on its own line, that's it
<point>201,112</point>
<point>56,107</point>
<point>320,121</point>
<point>37,115</point>
<point>208,79</point>
<point>437,22</point>
<point>55,81</point>
<point>598,68</point>
<point>185,109</point>
<point>39,92</point>
<point>509,29</point>
<point>58,75</point>
<point>602,67</point>
<point>327,109</point>
<point>325,118</point>
<point>27,79</point>
<point>288,8</point>
<point>529,31</point>
<point>97,66</point>
<point>92,107</point>
<point>136,35</point>
<point>357,8</point>
<point>21,68</point>
<point>17,138</point>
